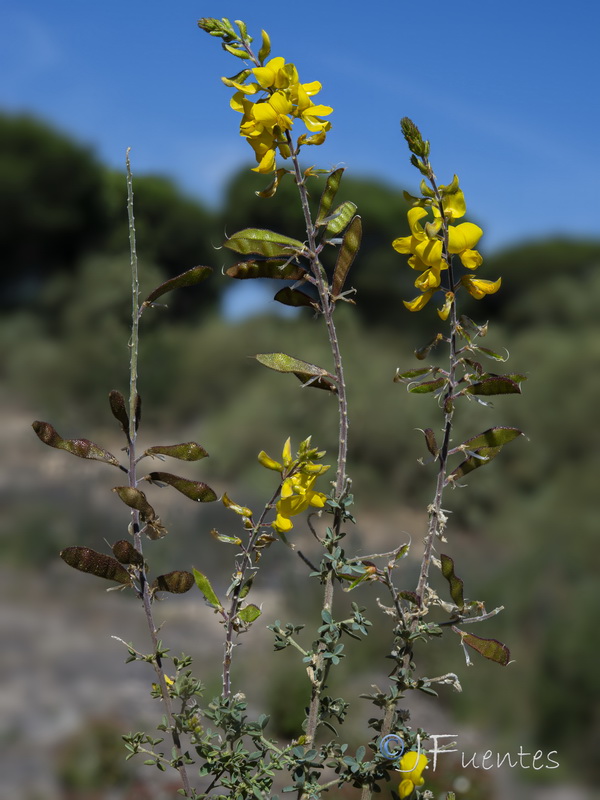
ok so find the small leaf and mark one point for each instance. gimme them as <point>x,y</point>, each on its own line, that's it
<point>347,254</point>
<point>340,218</point>
<point>220,537</point>
<point>427,386</point>
<point>496,384</point>
<point>249,613</point>
<point>493,437</point>
<point>456,584</point>
<point>119,410</point>
<point>177,582</point>
<point>195,490</point>
<point>188,278</point>
<point>488,648</point>
<point>308,373</point>
<point>423,352</point>
<point>126,553</point>
<point>483,456</point>
<point>188,451</point>
<point>293,297</point>
<point>329,193</point>
<point>276,268</point>
<point>82,448</point>
<point>87,560</point>
<point>263,242</point>
<point>235,51</point>
<point>490,353</point>
<point>411,374</point>
<point>205,587</point>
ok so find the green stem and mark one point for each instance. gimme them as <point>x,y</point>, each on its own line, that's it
<point>135,523</point>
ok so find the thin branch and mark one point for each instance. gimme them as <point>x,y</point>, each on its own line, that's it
<point>144,588</point>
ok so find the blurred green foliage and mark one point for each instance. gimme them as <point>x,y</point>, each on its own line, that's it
<point>528,522</point>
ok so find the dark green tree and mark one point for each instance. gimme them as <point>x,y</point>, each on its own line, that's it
<point>51,204</point>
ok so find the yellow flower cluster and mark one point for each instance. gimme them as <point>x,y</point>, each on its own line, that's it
<point>299,476</point>
<point>266,121</point>
<point>429,253</point>
<point>411,765</point>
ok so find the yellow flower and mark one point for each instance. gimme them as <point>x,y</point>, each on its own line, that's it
<point>266,121</point>
<point>299,475</point>
<point>276,74</point>
<point>422,243</point>
<point>419,302</point>
<point>478,288</point>
<point>425,245</point>
<point>444,311</point>
<point>411,765</point>
<point>462,239</point>
<point>297,495</point>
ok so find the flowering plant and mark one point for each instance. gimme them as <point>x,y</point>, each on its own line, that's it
<point>237,757</point>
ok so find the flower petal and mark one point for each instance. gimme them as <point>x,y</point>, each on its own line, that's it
<point>463,237</point>
<point>419,302</point>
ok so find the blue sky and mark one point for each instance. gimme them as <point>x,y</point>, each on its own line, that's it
<point>506,92</point>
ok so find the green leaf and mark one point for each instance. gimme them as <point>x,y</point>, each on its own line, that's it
<point>87,560</point>
<point>188,278</point>
<point>493,437</point>
<point>82,448</point>
<point>187,451</point>
<point>483,456</point>
<point>488,648</point>
<point>277,268</point>
<point>195,490</point>
<point>339,219</point>
<point>177,582</point>
<point>347,254</point>
<point>294,297</point>
<point>205,587</point>
<point>490,353</point>
<point>495,384</point>
<point>456,584</point>
<point>308,373</point>
<point>329,193</point>
<point>263,242</point>
<point>411,374</point>
<point>126,553</point>
<point>235,51</point>
<point>249,613</point>
<point>427,386</point>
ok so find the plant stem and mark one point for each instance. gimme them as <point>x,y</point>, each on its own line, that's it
<point>236,598</point>
<point>437,517</point>
<point>135,524</point>
<point>327,307</point>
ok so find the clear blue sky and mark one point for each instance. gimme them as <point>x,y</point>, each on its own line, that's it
<point>506,91</point>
